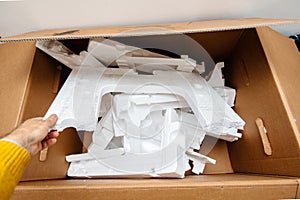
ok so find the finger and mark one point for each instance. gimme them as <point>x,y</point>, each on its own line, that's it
<point>44,144</point>
<point>46,138</point>
<point>36,148</point>
<point>49,143</point>
<point>51,120</point>
<point>53,134</point>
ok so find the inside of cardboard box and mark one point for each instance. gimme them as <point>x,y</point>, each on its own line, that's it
<point>40,89</point>
<point>246,70</point>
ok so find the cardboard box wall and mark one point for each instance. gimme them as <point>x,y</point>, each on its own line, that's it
<point>27,91</point>
<point>261,64</point>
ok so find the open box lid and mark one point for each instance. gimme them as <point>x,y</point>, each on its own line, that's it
<point>156,29</point>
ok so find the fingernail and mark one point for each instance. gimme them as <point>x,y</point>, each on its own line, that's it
<point>54,116</point>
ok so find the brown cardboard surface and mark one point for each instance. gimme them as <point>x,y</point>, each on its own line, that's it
<point>216,149</point>
<point>162,29</point>
<point>16,60</point>
<point>55,166</point>
<point>39,94</point>
<point>225,186</point>
<point>258,96</point>
<point>218,44</point>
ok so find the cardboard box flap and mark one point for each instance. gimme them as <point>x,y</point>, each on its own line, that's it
<point>263,68</point>
<point>16,61</point>
<point>284,59</point>
<point>157,29</point>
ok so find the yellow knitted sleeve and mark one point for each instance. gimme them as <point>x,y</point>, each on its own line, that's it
<point>13,160</point>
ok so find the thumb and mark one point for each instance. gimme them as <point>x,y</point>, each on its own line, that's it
<point>51,120</point>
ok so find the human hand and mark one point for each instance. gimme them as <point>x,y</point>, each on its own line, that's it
<point>33,134</point>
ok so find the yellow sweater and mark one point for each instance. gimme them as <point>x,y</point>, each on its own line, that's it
<point>13,160</point>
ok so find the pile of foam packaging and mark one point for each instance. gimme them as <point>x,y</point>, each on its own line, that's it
<point>148,116</point>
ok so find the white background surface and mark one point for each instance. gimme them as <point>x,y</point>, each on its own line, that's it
<point>29,15</point>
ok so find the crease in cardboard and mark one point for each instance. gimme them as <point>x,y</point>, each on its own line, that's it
<point>26,93</point>
<point>24,102</point>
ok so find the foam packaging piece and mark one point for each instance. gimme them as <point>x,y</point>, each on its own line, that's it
<point>155,111</point>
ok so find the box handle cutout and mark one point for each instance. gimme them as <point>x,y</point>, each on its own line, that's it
<point>244,73</point>
<point>43,154</point>
<point>264,136</point>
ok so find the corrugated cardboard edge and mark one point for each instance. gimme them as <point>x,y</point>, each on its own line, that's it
<point>155,29</point>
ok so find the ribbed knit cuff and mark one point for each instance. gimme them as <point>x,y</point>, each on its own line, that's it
<point>15,158</point>
<point>11,140</point>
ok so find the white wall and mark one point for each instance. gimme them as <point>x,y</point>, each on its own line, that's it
<point>29,15</point>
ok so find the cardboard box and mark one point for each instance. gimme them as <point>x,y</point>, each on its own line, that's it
<point>261,64</point>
